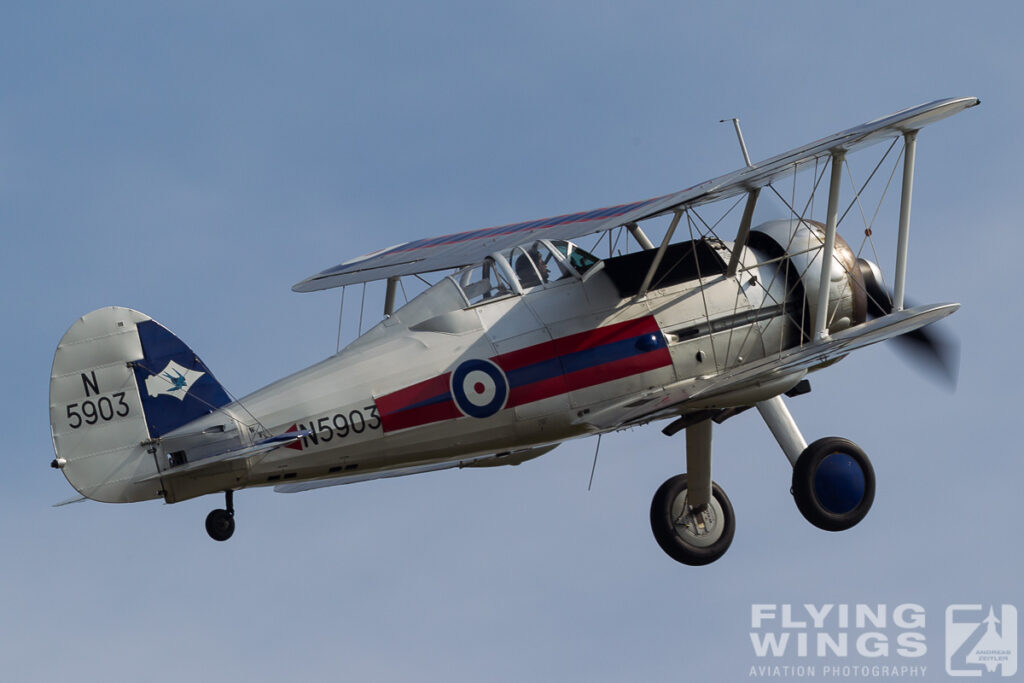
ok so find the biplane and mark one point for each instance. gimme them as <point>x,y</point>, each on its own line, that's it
<point>524,341</point>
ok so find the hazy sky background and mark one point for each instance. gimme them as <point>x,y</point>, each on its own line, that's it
<point>194,162</point>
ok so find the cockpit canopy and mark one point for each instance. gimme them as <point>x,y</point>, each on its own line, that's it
<point>540,263</point>
<point>534,266</point>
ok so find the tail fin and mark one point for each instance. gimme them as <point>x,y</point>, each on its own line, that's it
<point>119,380</point>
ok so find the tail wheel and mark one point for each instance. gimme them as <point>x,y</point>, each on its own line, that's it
<point>689,536</point>
<point>220,524</point>
<point>833,484</point>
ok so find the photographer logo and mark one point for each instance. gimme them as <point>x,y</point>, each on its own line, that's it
<point>981,640</point>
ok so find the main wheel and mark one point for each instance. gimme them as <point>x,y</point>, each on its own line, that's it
<point>833,483</point>
<point>220,524</point>
<point>688,536</point>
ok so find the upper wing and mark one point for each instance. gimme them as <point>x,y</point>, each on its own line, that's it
<point>451,251</point>
<point>459,249</point>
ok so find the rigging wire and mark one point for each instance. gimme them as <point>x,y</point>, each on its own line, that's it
<point>593,467</point>
<point>341,309</point>
<point>618,235</point>
<point>857,193</point>
<point>362,305</point>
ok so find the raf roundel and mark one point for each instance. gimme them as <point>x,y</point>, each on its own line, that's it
<point>479,388</point>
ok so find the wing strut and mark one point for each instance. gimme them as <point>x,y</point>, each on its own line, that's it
<point>821,315</point>
<point>660,255</point>
<point>639,236</point>
<point>744,232</point>
<point>903,239</point>
<point>389,296</point>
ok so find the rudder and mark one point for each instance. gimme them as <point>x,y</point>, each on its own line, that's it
<point>119,380</point>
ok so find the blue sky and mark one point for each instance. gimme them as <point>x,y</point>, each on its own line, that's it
<point>194,162</point>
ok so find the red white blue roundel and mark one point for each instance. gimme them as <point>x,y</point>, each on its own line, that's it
<point>479,388</point>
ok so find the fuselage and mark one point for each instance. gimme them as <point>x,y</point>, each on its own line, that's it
<point>446,377</point>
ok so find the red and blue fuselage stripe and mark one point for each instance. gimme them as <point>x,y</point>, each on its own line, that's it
<point>540,371</point>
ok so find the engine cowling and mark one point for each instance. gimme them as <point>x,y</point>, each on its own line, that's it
<point>796,245</point>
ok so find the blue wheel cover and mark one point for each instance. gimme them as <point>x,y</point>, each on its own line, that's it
<point>479,388</point>
<point>839,483</point>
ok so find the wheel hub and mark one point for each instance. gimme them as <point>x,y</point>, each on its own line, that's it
<point>839,483</point>
<point>698,526</point>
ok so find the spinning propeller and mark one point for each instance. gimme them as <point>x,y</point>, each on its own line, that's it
<point>934,352</point>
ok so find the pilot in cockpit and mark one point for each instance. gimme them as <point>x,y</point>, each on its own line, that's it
<point>530,267</point>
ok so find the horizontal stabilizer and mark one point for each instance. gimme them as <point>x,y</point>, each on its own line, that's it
<point>260,448</point>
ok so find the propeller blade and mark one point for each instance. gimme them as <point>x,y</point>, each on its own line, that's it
<point>934,352</point>
<point>879,299</point>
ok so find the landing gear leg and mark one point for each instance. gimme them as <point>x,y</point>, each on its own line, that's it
<point>698,463</point>
<point>220,524</point>
<point>691,517</point>
<point>783,427</point>
<point>833,481</point>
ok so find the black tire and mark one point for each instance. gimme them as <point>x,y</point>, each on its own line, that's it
<point>833,484</point>
<point>220,524</point>
<point>677,538</point>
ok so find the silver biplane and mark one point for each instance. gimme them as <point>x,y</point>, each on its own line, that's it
<point>527,340</point>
